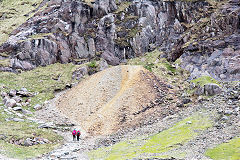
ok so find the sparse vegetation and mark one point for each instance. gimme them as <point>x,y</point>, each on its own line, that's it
<point>13,13</point>
<point>43,81</point>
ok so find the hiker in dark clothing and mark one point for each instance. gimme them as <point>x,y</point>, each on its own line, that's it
<point>78,135</point>
<point>74,134</point>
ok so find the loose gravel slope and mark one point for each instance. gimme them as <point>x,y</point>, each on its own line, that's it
<point>116,98</point>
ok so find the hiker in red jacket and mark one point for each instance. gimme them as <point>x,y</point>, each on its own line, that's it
<point>78,135</point>
<point>74,134</point>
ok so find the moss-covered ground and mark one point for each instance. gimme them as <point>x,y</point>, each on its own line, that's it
<point>13,13</point>
<point>205,80</point>
<point>43,81</point>
<point>226,151</point>
<point>153,146</point>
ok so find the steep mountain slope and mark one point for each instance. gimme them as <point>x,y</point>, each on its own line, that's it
<point>205,34</point>
<point>147,107</point>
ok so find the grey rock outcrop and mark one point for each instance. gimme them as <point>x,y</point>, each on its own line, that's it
<point>204,35</point>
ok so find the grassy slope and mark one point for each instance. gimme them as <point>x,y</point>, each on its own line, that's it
<point>230,150</point>
<point>153,146</point>
<point>12,15</point>
<point>43,80</point>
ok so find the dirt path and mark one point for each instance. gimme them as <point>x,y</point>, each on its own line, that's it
<point>69,149</point>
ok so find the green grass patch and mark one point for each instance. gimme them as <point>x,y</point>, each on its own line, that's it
<point>154,146</point>
<point>170,67</point>
<point>12,15</point>
<point>92,64</point>
<point>23,130</point>
<point>205,80</point>
<point>226,151</point>
<point>42,80</point>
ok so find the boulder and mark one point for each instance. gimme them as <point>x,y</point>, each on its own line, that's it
<point>10,103</point>
<point>211,89</point>
<point>37,107</point>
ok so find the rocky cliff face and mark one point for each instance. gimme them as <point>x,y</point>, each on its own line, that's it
<point>204,35</point>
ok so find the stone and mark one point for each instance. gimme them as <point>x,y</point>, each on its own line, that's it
<point>17,108</point>
<point>5,99</point>
<point>228,112</point>
<point>188,122</point>
<point>37,107</point>
<point>19,115</point>
<point>103,65</point>
<point>180,105</point>
<point>224,118</point>
<point>28,142</point>
<point>10,103</point>
<point>18,120</point>
<point>211,89</point>
<point>24,89</point>
<point>110,58</point>
<point>17,99</point>
<point>199,91</point>
<point>4,94</point>
<point>236,109</point>
<point>3,137</point>
<point>47,125</point>
<point>12,92</point>
<point>186,100</point>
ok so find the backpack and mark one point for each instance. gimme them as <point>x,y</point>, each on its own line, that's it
<point>78,133</point>
<point>74,132</point>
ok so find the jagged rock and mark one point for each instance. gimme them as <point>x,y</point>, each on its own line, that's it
<point>37,107</point>
<point>10,103</point>
<point>186,100</point>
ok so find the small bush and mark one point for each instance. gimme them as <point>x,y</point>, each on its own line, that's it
<point>149,66</point>
<point>92,64</point>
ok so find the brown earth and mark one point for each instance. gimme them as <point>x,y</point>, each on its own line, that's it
<point>116,98</point>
